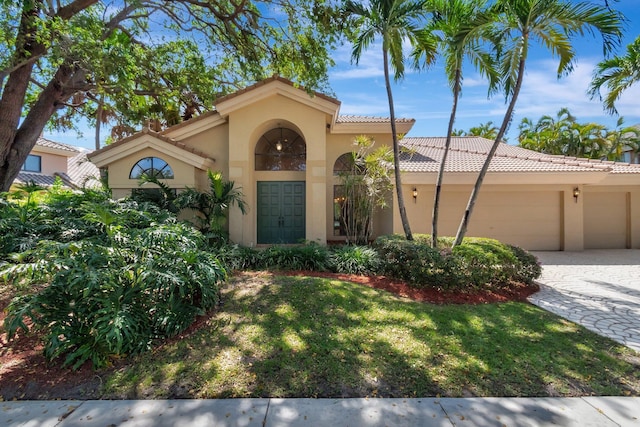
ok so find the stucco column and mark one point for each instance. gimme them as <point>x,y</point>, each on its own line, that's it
<point>240,226</point>
<point>316,185</point>
<point>572,219</point>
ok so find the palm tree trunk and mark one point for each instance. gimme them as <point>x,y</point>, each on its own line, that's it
<point>98,124</point>
<point>447,144</point>
<point>396,150</point>
<point>464,224</point>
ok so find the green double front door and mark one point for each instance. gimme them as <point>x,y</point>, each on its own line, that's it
<point>281,212</point>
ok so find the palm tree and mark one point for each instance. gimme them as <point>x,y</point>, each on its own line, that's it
<point>617,74</point>
<point>485,130</point>
<point>213,205</point>
<point>512,25</point>
<point>623,139</point>
<point>449,24</point>
<point>394,21</point>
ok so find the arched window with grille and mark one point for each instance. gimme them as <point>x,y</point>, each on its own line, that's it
<point>281,149</point>
<point>153,167</point>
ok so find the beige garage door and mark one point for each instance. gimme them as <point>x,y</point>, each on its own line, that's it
<point>531,220</point>
<point>605,220</point>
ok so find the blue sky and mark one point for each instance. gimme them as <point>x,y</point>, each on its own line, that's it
<point>426,97</point>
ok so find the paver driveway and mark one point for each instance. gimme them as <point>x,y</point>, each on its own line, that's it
<point>599,289</point>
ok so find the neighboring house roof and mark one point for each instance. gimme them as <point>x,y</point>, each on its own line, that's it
<point>79,171</point>
<point>468,153</point>
<point>44,180</point>
<point>56,146</point>
<point>82,172</point>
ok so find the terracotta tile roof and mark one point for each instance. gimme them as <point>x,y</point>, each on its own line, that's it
<point>467,154</point>
<point>158,135</point>
<point>42,142</point>
<point>269,80</point>
<point>365,119</point>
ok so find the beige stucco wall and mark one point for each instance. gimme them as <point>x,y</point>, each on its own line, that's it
<point>184,174</point>
<point>51,163</point>
<point>246,126</point>
<point>215,143</point>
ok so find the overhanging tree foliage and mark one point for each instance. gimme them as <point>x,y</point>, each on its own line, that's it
<point>145,59</point>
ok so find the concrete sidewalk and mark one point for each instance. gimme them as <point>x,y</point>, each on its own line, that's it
<point>579,411</point>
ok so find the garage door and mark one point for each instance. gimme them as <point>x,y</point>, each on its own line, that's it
<point>605,220</point>
<point>531,220</point>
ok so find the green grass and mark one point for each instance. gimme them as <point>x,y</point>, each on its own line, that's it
<point>294,337</point>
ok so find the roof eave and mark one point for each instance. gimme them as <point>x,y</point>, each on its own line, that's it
<point>276,86</point>
<point>147,140</point>
<point>363,127</point>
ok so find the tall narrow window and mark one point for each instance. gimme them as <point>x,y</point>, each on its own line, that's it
<point>338,210</point>
<point>281,149</point>
<point>32,164</point>
<point>151,166</point>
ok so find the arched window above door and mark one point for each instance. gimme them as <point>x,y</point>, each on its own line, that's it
<point>153,167</point>
<point>281,149</point>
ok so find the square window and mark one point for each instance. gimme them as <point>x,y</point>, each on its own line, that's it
<point>32,164</point>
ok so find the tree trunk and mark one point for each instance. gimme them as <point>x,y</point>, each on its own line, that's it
<point>17,139</point>
<point>14,92</point>
<point>98,124</point>
<point>396,150</point>
<point>464,224</point>
<point>436,198</point>
<point>63,84</point>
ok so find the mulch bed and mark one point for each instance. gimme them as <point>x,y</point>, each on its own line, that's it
<point>515,292</point>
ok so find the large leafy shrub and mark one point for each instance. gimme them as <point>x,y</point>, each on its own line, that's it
<point>113,293</point>
<point>413,261</point>
<point>475,264</point>
<point>60,215</point>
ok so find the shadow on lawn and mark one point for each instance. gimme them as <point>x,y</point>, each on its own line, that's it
<point>302,337</point>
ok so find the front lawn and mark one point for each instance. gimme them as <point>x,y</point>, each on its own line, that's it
<point>284,336</point>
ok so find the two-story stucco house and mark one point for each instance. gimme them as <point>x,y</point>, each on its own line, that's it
<point>283,146</point>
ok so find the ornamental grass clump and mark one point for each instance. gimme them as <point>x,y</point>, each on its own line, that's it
<point>112,294</point>
<point>354,260</point>
<point>310,256</point>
